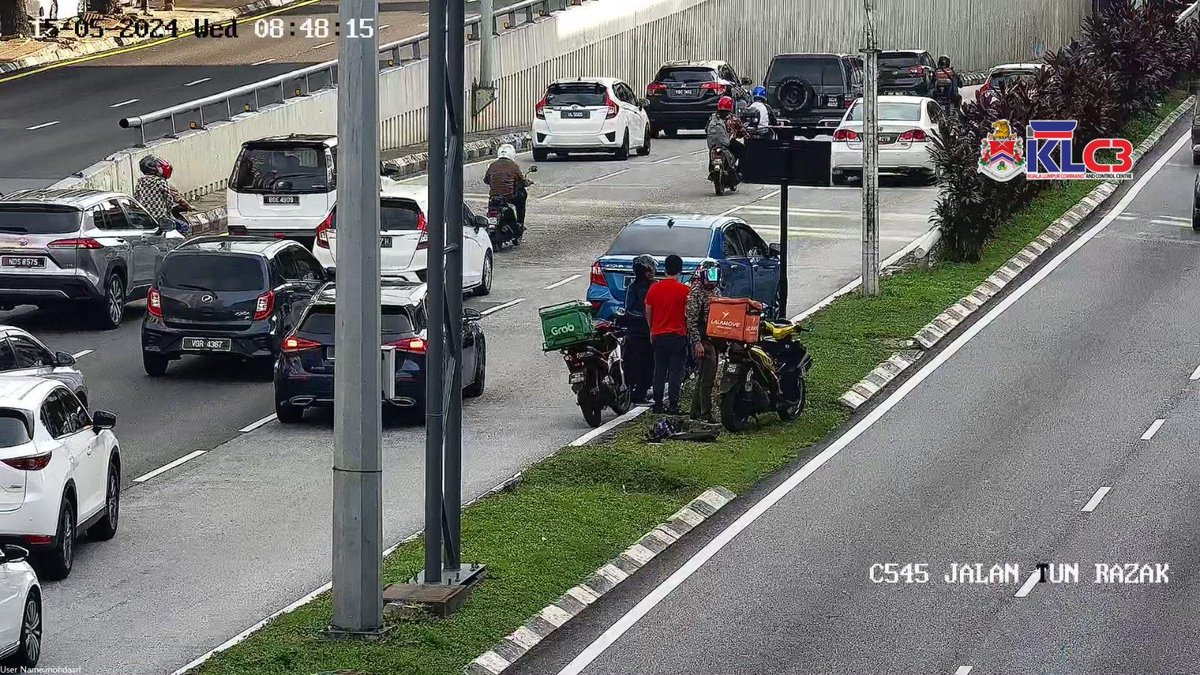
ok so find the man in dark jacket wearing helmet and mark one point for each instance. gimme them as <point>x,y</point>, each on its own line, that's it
<point>639,353</point>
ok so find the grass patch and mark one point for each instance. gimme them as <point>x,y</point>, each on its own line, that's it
<point>578,509</point>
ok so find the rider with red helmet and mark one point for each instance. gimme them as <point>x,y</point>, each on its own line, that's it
<point>725,130</point>
<point>159,197</point>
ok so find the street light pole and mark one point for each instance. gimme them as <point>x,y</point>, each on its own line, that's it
<point>452,481</point>
<point>357,451</point>
<point>870,163</point>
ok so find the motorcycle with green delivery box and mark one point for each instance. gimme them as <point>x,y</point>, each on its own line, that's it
<point>592,351</point>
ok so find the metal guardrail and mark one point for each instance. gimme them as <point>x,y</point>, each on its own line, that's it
<point>249,98</point>
<point>1192,12</point>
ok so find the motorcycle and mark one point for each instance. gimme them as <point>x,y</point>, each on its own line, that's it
<point>942,86</point>
<point>721,171</point>
<point>596,373</point>
<point>766,377</point>
<point>503,225</point>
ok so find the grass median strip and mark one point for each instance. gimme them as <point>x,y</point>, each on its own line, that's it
<point>578,509</point>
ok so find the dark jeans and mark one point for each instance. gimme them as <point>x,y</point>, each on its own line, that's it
<point>702,398</point>
<point>670,357</point>
<point>639,366</point>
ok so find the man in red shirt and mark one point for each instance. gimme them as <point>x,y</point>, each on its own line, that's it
<point>666,302</point>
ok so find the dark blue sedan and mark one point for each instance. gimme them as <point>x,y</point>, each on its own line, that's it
<point>749,266</point>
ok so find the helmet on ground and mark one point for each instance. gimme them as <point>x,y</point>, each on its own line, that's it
<point>708,272</point>
<point>760,92</point>
<point>507,151</point>
<point>644,264</point>
<point>943,61</point>
<point>725,104</point>
<point>153,166</point>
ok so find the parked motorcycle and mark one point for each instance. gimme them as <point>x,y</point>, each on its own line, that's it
<point>765,377</point>
<point>597,375</point>
<point>722,171</point>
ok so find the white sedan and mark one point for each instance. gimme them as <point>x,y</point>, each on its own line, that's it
<point>906,125</point>
<point>590,115</point>
<point>20,610</point>
<point>404,239</point>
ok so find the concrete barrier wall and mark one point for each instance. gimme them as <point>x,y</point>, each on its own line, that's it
<point>628,39</point>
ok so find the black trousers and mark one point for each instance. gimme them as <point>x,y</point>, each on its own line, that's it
<point>670,360</point>
<point>639,366</point>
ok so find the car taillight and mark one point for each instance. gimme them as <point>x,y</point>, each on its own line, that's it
<point>29,462</point>
<point>848,103</point>
<point>916,71</point>
<point>914,135</point>
<point>38,539</point>
<point>296,344</point>
<point>655,88</point>
<point>415,345</point>
<point>598,275</point>
<point>264,305</point>
<point>85,242</point>
<point>845,135</point>
<point>154,303</point>
<point>713,86</point>
<point>613,108</point>
<point>423,226</point>
<point>323,231</point>
<point>539,110</point>
<point>983,88</point>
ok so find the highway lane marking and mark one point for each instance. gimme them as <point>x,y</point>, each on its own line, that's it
<point>163,469</point>
<point>1195,374</point>
<point>125,103</point>
<point>565,190</point>
<point>568,280</point>
<point>826,213</point>
<point>254,425</point>
<point>722,539</point>
<point>963,670</point>
<point>151,43</point>
<point>193,83</point>
<point>1028,585</point>
<point>675,157</point>
<point>385,26</point>
<point>1095,500</point>
<point>42,126</point>
<point>497,308</point>
<point>259,63</point>
<point>80,355</point>
<point>739,207</point>
<point>322,46</point>
<point>1153,429</point>
<point>605,428</point>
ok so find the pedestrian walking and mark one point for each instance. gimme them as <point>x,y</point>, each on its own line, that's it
<point>704,287</point>
<point>665,312</point>
<point>639,352</point>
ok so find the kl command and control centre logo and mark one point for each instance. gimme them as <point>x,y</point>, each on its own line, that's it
<point>1048,153</point>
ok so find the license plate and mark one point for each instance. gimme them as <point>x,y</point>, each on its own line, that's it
<point>281,199</point>
<point>385,242</point>
<point>24,261</point>
<point>685,92</point>
<point>576,378</point>
<point>885,139</point>
<point>576,114</point>
<point>493,220</point>
<point>207,344</point>
<point>329,353</point>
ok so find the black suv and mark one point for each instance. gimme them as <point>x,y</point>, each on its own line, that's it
<point>228,296</point>
<point>684,94</point>
<point>813,90</point>
<point>906,72</point>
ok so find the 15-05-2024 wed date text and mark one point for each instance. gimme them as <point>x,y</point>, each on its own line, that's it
<point>1004,574</point>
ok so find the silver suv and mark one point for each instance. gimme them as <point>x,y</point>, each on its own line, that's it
<point>101,249</point>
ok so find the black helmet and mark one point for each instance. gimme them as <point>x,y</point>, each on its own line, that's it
<point>153,166</point>
<point>644,265</point>
<point>943,61</point>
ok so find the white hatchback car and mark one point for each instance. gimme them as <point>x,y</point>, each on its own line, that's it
<point>60,471</point>
<point>20,610</point>
<point>906,124</point>
<point>403,239</point>
<point>590,114</point>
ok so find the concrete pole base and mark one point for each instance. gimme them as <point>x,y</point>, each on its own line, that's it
<point>443,598</point>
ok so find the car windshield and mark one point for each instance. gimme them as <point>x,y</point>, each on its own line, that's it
<point>656,240</point>
<point>38,219</point>
<point>582,94</point>
<point>213,272</point>
<point>817,71</point>
<point>889,111</point>
<point>281,169</point>
<point>14,428</point>
<point>395,215</point>
<point>898,60</point>
<point>320,321</point>
<point>1005,78</point>
<point>686,75</point>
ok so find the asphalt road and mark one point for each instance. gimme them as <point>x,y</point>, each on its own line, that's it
<point>83,103</point>
<point>247,523</point>
<point>1088,381</point>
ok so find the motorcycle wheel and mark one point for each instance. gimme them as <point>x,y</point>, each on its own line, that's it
<point>625,397</point>
<point>734,415</point>
<point>591,413</point>
<point>719,186</point>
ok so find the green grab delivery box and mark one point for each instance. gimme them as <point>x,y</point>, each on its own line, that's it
<point>566,324</point>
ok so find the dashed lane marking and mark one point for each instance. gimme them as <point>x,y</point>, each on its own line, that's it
<point>80,355</point>
<point>1154,427</point>
<point>497,308</point>
<point>254,425</point>
<point>1095,500</point>
<point>163,469</point>
<point>42,126</point>
<point>568,280</point>
<point>196,82</point>
<point>125,103</point>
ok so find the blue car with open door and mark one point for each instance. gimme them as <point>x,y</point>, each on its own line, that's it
<point>749,265</point>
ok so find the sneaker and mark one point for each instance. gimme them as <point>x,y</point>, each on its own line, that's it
<point>657,409</point>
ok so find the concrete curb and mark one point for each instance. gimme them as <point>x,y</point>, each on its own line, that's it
<point>109,44</point>
<point>418,163</point>
<point>609,576</point>
<point>933,332</point>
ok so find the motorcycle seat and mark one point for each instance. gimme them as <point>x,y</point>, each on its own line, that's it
<point>778,330</point>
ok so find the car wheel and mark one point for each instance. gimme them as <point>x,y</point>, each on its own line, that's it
<point>288,413</point>
<point>623,151</point>
<point>645,149</point>
<point>475,390</point>
<point>107,527</point>
<point>1195,158</point>
<point>29,649</point>
<point>57,562</point>
<point>540,155</point>
<point>155,364</point>
<point>485,282</point>
<point>111,309</point>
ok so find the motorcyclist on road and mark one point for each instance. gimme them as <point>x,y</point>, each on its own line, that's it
<point>504,178</point>
<point>766,117</point>
<point>638,351</point>
<point>705,286</point>
<point>725,130</point>
<point>159,197</point>
<point>946,81</point>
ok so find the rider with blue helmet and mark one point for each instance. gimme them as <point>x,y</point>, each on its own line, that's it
<point>765,118</point>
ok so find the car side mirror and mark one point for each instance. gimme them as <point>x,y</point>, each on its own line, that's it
<point>480,222</point>
<point>63,359</point>
<point>12,553</point>
<point>747,81</point>
<point>102,419</point>
<point>644,102</point>
<point>532,169</point>
<point>774,250</point>
<point>330,273</point>
<point>471,314</point>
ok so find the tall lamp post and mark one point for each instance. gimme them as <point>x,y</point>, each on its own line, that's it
<point>870,163</point>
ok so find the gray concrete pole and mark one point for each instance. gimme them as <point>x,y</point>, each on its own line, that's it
<point>870,164</point>
<point>452,482</point>
<point>357,450</point>
<point>435,357</point>
<point>487,43</point>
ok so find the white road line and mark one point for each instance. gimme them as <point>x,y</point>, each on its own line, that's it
<point>1153,429</point>
<point>1095,500</point>
<point>605,428</point>
<point>163,469</point>
<point>568,280</point>
<point>1195,374</point>
<point>259,63</point>
<point>627,621</point>
<point>497,308</point>
<point>386,25</point>
<point>80,355</point>
<point>1029,584</point>
<point>254,425</point>
<point>125,103</point>
<point>42,126</point>
<point>772,193</point>
<point>322,45</point>
<point>767,209</point>
<point>963,670</point>
<point>564,190</point>
<point>196,82</point>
